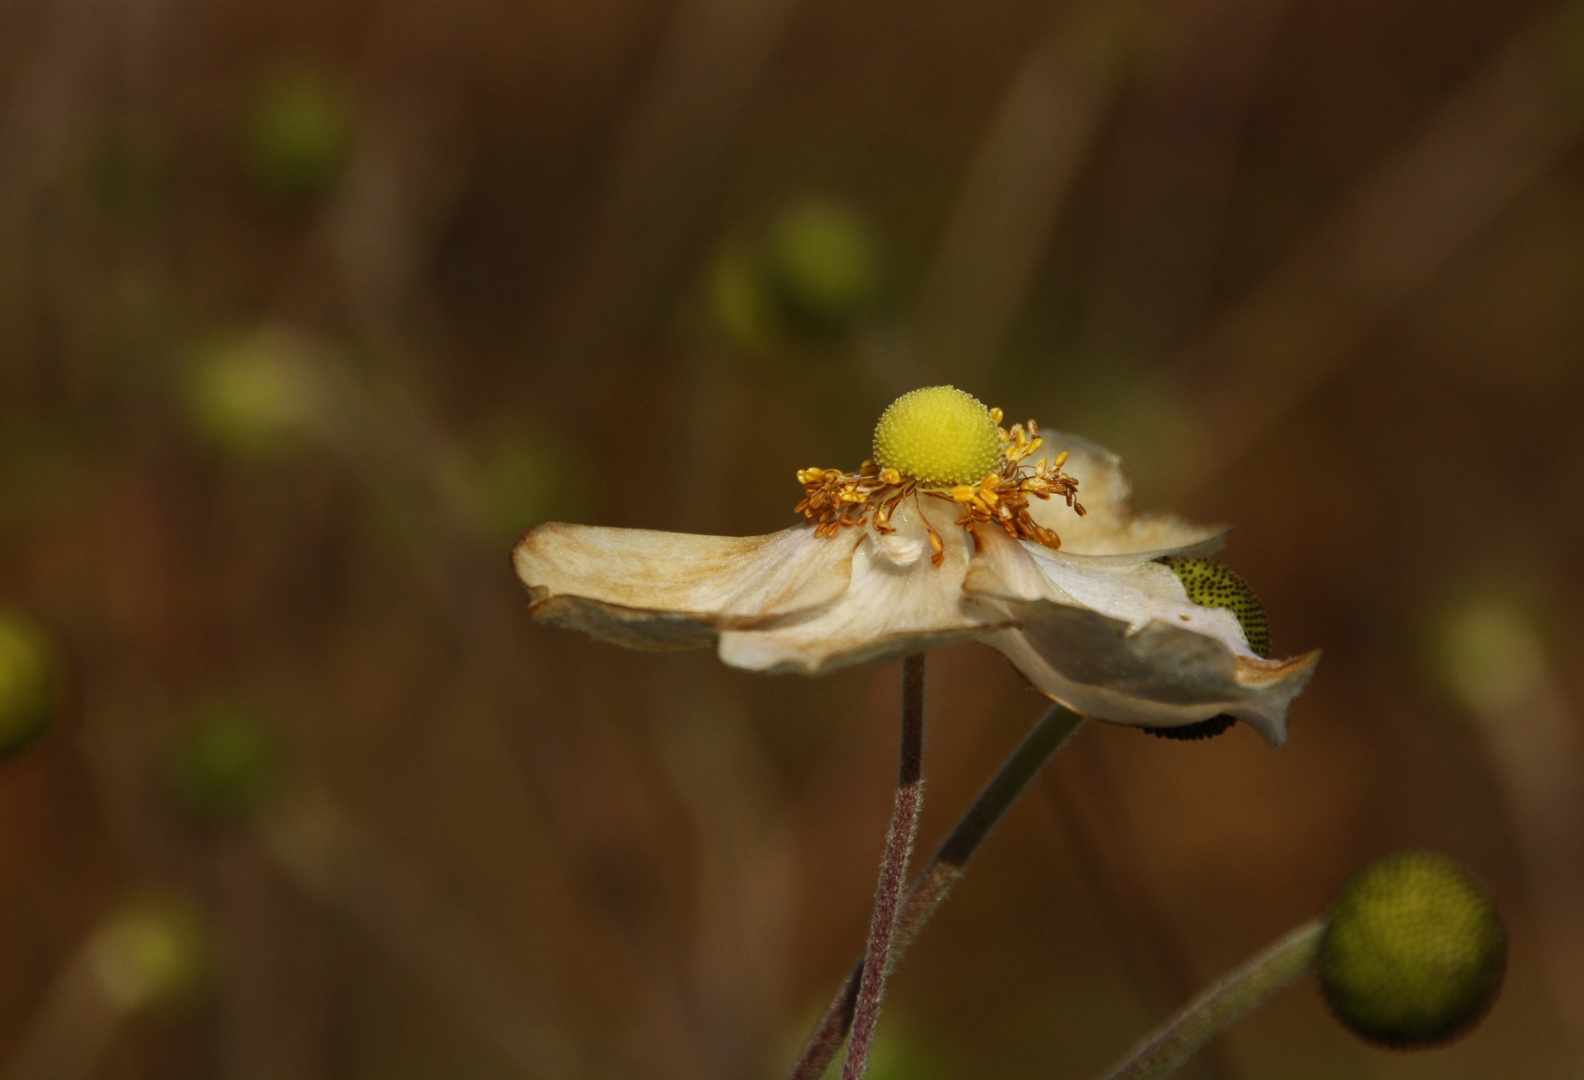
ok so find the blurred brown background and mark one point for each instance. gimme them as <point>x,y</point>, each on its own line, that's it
<point>307,309</point>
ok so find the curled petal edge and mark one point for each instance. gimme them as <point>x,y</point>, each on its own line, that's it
<point>1160,676</point>
<point>646,589</point>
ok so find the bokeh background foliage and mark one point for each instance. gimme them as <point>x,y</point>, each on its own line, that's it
<point>307,309</point>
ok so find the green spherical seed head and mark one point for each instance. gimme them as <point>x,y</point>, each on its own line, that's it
<point>1209,584</point>
<point>30,682</point>
<point>1413,953</point>
<point>938,435</point>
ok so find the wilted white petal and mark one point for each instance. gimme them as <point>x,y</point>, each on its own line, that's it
<point>898,602</point>
<point>1124,643</point>
<point>1111,528</point>
<point>662,590</point>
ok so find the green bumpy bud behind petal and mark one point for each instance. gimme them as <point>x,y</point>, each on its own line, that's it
<point>224,763</point>
<point>1413,953</point>
<point>939,435</point>
<point>1209,584</point>
<point>30,682</point>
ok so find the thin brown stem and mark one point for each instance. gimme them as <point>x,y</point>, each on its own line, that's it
<point>893,869</point>
<point>931,886</point>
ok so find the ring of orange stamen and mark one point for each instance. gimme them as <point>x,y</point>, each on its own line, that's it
<point>834,500</point>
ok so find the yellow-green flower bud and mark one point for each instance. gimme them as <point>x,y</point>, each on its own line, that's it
<point>938,435</point>
<point>152,952</point>
<point>825,264</point>
<point>1413,952</point>
<point>30,685</point>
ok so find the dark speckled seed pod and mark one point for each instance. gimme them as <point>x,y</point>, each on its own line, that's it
<point>1210,584</point>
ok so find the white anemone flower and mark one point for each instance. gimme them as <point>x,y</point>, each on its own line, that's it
<point>948,535</point>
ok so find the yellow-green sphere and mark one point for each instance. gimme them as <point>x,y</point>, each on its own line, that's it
<point>1413,953</point>
<point>29,682</point>
<point>939,435</point>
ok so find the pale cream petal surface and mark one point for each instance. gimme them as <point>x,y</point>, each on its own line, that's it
<point>658,590</point>
<point>1111,527</point>
<point>1124,643</point>
<point>898,602</point>
<point>1160,676</point>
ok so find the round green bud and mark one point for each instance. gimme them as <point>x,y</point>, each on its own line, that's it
<point>297,132</point>
<point>152,952</point>
<point>824,263</point>
<point>938,435</point>
<point>224,763</point>
<point>1413,952</point>
<point>30,682</point>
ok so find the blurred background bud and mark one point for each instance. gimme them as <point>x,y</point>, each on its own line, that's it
<point>814,274</point>
<point>511,479</point>
<point>898,1055</point>
<point>1413,953</point>
<point>30,681</point>
<point>297,131</point>
<point>257,396</point>
<point>825,264</point>
<point>739,300</point>
<point>224,762</point>
<point>1491,653</point>
<point>153,951</point>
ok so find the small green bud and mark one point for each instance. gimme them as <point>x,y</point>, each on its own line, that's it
<point>152,952</point>
<point>825,263</point>
<point>1210,584</point>
<point>30,682</point>
<point>1492,654</point>
<point>223,763</point>
<point>258,396</point>
<point>1413,952</point>
<point>297,132</point>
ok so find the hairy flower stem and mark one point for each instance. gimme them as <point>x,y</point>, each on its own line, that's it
<point>931,887</point>
<point>893,869</point>
<point>1279,966</point>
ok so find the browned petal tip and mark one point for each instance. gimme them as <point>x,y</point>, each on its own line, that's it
<point>1254,672</point>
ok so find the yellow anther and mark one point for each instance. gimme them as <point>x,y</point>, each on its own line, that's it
<point>1034,444</point>
<point>890,476</point>
<point>1061,459</point>
<point>962,493</point>
<point>995,415</point>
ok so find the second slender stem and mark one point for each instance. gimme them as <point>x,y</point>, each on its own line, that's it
<point>893,869</point>
<point>1278,966</point>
